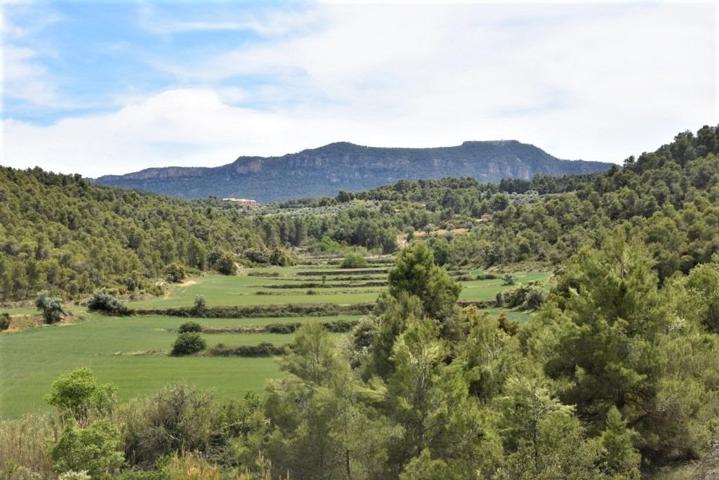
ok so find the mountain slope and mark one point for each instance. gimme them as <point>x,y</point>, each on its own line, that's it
<point>344,166</point>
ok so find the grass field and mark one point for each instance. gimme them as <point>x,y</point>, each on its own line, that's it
<point>131,351</point>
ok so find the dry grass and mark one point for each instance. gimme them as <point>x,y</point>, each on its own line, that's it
<point>25,445</point>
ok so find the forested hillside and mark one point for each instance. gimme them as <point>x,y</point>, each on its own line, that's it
<point>668,198</point>
<point>60,232</point>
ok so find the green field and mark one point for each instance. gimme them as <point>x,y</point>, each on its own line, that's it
<point>477,290</point>
<point>131,352</point>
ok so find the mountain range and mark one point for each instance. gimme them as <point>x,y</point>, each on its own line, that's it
<point>326,170</point>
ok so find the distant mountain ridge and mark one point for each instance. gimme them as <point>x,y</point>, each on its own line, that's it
<point>326,170</point>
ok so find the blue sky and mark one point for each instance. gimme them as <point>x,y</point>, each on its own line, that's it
<point>110,87</point>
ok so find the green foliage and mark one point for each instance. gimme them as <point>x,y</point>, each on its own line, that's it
<point>79,396</point>
<point>616,342</point>
<point>51,308</point>
<point>101,301</point>
<point>188,343</point>
<point>190,327</point>
<point>72,475</point>
<point>702,295</point>
<point>619,458</point>
<point>175,273</point>
<point>224,264</point>
<point>281,258</point>
<point>416,273</point>
<point>178,418</point>
<point>353,261</point>
<point>64,233</point>
<point>200,305</point>
<point>93,449</point>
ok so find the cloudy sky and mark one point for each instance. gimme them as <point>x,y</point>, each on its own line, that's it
<point>112,87</point>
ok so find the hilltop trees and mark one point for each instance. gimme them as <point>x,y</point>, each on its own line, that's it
<point>63,233</point>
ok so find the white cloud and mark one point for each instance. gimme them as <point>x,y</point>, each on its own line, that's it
<point>23,74</point>
<point>233,17</point>
<point>598,82</point>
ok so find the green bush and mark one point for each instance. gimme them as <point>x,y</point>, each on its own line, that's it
<point>354,261</point>
<point>178,418</point>
<point>78,395</point>
<point>280,258</point>
<point>4,321</point>
<point>104,302</point>
<point>223,263</point>
<point>94,450</point>
<point>175,273</point>
<point>264,349</point>
<point>534,298</point>
<point>282,327</point>
<point>200,304</point>
<point>188,343</point>
<point>190,327</point>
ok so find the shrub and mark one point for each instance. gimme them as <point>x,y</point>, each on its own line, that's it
<point>4,321</point>
<point>175,273</point>
<point>354,261</point>
<point>190,327</point>
<point>51,308</point>
<point>94,449</point>
<point>256,256</point>
<point>339,326</point>
<point>534,298</point>
<point>282,327</point>
<point>188,343</point>
<point>200,304</point>
<point>178,418</point>
<point>510,327</point>
<point>223,263</point>
<point>280,258</point>
<point>486,276</point>
<point>508,280</point>
<point>78,395</point>
<point>264,349</point>
<point>73,475</point>
<point>104,302</point>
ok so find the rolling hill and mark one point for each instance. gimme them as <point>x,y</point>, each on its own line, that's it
<point>340,166</point>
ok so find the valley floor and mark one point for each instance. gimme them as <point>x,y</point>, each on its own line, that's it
<point>132,352</point>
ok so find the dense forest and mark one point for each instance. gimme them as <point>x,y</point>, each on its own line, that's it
<point>60,232</point>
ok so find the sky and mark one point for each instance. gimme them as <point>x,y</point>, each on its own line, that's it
<point>107,87</point>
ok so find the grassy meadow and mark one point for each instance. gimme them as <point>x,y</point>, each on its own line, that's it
<point>132,352</point>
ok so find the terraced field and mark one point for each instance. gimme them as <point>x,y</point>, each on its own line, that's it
<point>131,352</point>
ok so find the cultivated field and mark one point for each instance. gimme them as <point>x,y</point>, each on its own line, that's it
<point>132,352</point>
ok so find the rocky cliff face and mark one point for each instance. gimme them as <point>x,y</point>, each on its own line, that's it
<point>344,166</point>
